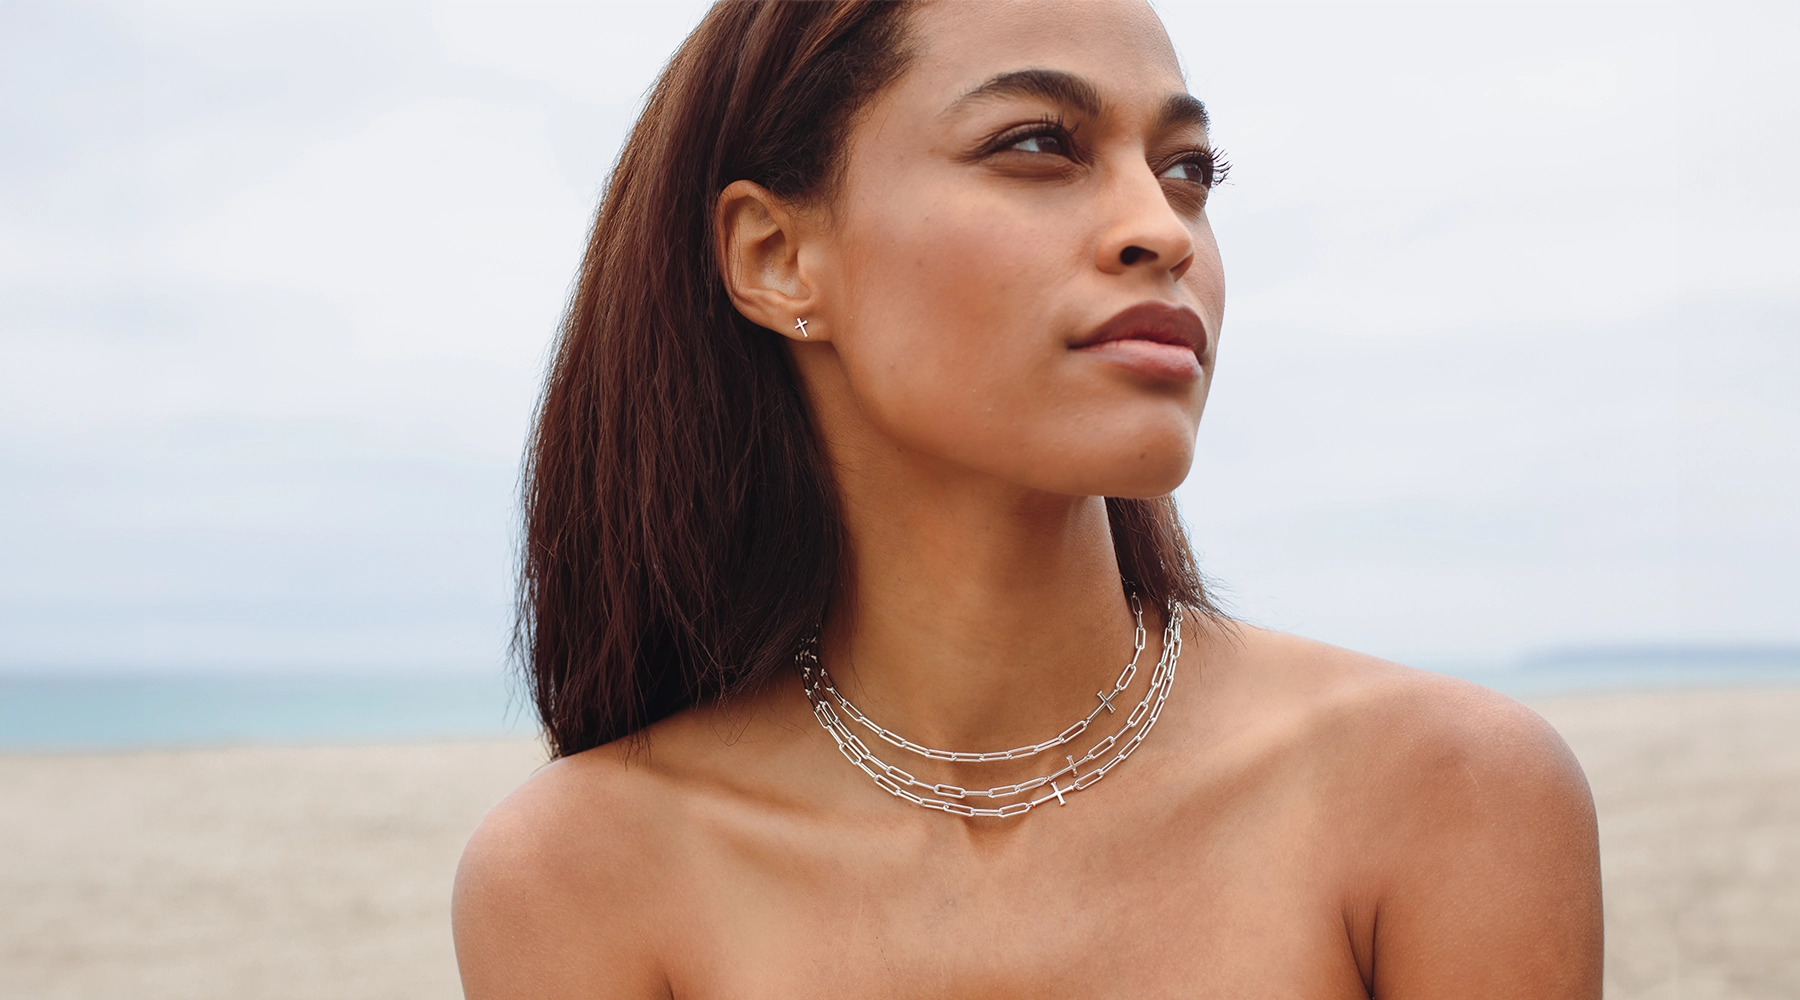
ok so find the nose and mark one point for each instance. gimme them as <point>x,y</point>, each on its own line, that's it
<point>1144,233</point>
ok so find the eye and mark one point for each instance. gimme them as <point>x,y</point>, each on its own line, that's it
<point>1048,136</point>
<point>1043,142</point>
<point>1191,171</point>
<point>1202,167</point>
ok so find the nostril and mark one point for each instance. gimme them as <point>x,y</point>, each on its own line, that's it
<point>1131,255</point>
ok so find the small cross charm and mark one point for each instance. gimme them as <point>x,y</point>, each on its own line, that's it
<point>1105,699</point>
<point>800,324</point>
<point>1058,792</point>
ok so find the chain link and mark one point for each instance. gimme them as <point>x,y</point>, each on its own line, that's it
<point>1017,753</point>
<point>899,783</point>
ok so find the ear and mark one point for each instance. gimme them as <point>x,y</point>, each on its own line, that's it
<point>759,240</point>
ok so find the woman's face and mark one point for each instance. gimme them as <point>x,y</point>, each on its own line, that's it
<point>1016,275</point>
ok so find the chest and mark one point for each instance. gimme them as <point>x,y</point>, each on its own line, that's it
<point>1202,912</point>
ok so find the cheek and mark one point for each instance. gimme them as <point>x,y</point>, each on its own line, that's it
<point>1206,278</point>
<point>952,317</point>
<point>950,327</point>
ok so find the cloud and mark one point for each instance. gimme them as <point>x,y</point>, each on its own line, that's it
<point>1508,363</point>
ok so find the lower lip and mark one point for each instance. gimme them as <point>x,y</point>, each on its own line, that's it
<point>1165,362</point>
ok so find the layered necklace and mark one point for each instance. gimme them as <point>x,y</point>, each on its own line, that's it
<point>830,707</point>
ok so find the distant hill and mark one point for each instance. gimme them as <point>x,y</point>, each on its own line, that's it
<point>1673,655</point>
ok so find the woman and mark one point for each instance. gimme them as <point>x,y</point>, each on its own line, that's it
<point>847,509</point>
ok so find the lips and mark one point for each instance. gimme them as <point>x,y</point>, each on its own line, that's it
<point>1141,336</point>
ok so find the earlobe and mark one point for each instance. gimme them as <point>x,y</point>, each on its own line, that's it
<point>759,260</point>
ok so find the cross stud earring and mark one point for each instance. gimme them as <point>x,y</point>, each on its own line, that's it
<point>800,324</point>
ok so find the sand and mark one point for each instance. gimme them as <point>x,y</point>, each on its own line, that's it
<point>255,873</point>
<point>1699,802</point>
<point>244,873</point>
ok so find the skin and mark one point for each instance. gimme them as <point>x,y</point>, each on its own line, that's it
<point>1303,821</point>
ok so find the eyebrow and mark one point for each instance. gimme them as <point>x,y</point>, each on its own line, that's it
<point>1065,88</point>
<point>1183,109</point>
<point>1049,84</point>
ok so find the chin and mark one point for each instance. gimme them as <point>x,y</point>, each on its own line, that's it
<point>1153,468</point>
<point>1146,479</point>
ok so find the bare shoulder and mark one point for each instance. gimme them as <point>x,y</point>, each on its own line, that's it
<point>1462,823</point>
<point>554,889</point>
<point>1410,733</point>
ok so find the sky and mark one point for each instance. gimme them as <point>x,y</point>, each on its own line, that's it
<point>1511,359</point>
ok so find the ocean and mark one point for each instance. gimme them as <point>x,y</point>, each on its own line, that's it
<point>87,711</point>
<point>98,711</point>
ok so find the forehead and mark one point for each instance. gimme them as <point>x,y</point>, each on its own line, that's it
<point>1118,45</point>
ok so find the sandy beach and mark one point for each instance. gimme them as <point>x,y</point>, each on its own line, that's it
<point>254,873</point>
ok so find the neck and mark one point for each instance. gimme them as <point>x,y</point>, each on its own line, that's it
<point>974,616</point>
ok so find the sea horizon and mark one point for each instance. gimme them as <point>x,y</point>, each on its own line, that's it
<point>91,708</point>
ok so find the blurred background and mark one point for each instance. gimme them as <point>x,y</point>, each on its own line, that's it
<point>1509,388</point>
<point>1511,360</point>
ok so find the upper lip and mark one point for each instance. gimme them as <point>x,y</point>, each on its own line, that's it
<point>1160,322</point>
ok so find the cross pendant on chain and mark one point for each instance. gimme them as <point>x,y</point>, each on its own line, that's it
<point>1058,792</point>
<point>1106,699</point>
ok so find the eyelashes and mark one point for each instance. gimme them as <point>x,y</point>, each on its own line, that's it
<point>1049,130</point>
<point>1052,135</point>
<point>1213,166</point>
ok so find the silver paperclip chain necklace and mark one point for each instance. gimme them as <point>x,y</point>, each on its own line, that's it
<point>1077,775</point>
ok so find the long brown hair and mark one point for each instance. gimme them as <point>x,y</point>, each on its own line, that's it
<point>682,535</point>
